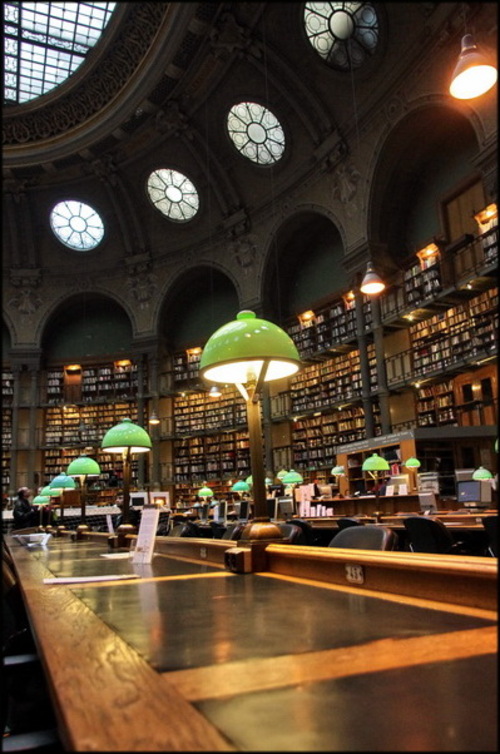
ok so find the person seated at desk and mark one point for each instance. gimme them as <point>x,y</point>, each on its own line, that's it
<point>24,513</point>
<point>134,516</point>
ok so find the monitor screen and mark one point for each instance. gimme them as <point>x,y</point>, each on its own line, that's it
<point>324,490</point>
<point>286,508</point>
<point>427,501</point>
<point>463,475</point>
<point>243,510</point>
<point>398,479</point>
<point>476,491</point>
<point>276,490</point>
<point>272,508</point>
<point>220,511</point>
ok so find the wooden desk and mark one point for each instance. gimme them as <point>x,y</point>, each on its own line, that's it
<point>191,657</point>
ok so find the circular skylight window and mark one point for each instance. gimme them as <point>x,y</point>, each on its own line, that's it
<point>343,34</point>
<point>256,132</point>
<point>77,225</point>
<point>173,194</point>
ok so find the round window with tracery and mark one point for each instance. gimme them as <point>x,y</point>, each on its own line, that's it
<point>77,225</point>
<point>256,133</point>
<point>343,34</point>
<point>173,194</point>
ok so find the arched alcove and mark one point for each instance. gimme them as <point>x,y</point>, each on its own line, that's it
<point>304,266</point>
<point>415,174</point>
<point>87,326</point>
<point>198,303</point>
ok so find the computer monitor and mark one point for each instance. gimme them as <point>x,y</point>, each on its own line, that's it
<point>463,475</point>
<point>474,492</point>
<point>427,501</point>
<point>220,511</point>
<point>285,508</point>
<point>325,490</point>
<point>243,510</point>
<point>272,508</point>
<point>276,490</point>
<point>398,480</point>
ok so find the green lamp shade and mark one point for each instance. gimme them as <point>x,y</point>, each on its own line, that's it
<point>281,474</point>
<point>126,436</point>
<point>63,481</point>
<point>292,477</point>
<point>237,351</point>
<point>51,491</point>
<point>83,466</point>
<point>248,480</point>
<point>205,492</point>
<point>412,463</point>
<point>240,486</point>
<point>375,463</point>
<point>482,473</point>
<point>338,471</point>
<point>41,500</point>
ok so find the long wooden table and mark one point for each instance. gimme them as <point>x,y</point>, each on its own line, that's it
<point>314,649</point>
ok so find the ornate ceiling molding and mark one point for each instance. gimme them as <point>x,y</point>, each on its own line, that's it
<point>146,45</point>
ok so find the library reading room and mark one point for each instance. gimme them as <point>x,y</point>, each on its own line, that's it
<point>250,377</point>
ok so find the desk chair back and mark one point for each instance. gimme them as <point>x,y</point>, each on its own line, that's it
<point>292,535</point>
<point>490,524</point>
<point>309,538</point>
<point>366,537</point>
<point>345,522</point>
<point>234,530</point>
<point>429,535</point>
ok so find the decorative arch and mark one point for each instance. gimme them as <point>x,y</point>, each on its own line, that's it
<point>303,262</point>
<point>404,164</point>
<point>86,324</point>
<point>197,302</point>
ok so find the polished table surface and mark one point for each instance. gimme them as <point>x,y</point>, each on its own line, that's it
<point>192,657</point>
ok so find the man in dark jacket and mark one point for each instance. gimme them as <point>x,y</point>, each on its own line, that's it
<point>24,513</point>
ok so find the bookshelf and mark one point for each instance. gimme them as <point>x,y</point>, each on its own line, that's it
<point>70,429</point>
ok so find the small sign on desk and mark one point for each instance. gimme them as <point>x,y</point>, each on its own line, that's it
<point>145,543</point>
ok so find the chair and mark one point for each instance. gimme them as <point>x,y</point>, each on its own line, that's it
<point>292,535</point>
<point>218,529</point>
<point>234,530</point>
<point>490,524</point>
<point>428,534</point>
<point>307,530</point>
<point>366,537</point>
<point>345,522</point>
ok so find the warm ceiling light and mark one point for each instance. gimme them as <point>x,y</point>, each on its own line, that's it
<point>474,74</point>
<point>214,392</point>
<point>429,251</point>
<point>153,419</point>
<point>487,214</point>
<point>123,363</point>
<point>306,316</point>
<point>371,283</point>
<point>193,351</point>
<point>73,368</point>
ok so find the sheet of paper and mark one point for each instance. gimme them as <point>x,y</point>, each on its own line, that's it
<point>84,579</point>
<point>144,547</point>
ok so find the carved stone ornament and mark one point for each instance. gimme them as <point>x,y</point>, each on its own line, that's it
<point>229,37</point>
<point>26,300</point>
<point>244,251</point>
<point>171,121</point>
<point>345,182</point>
<point>142,286</point>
